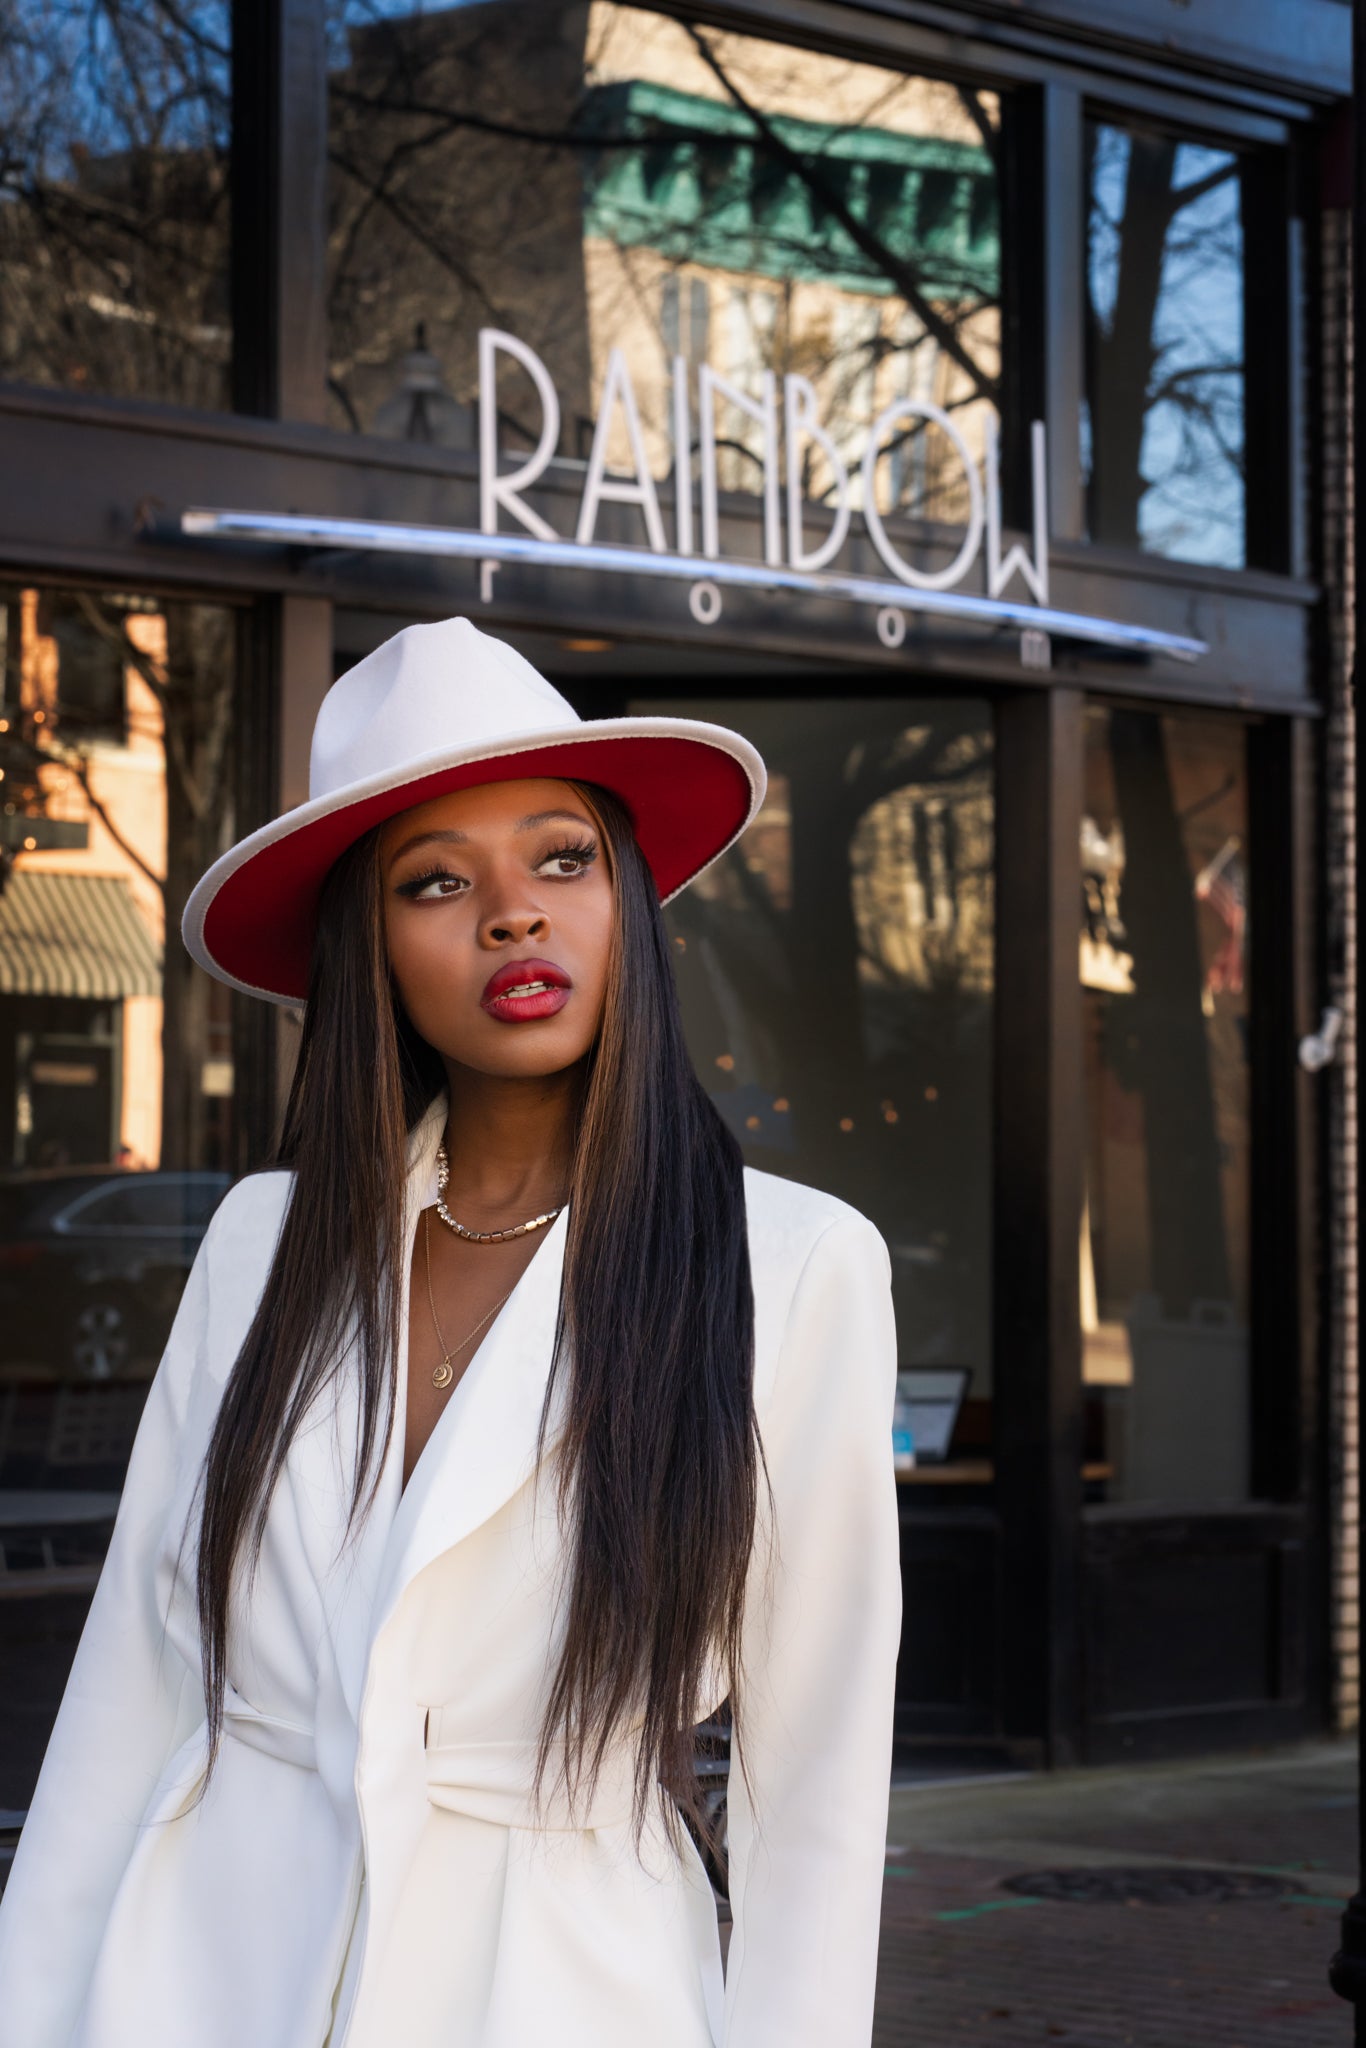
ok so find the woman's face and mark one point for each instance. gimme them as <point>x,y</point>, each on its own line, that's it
<point>498,913</point>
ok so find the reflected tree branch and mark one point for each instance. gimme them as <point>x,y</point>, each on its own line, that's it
<point>869,244</point>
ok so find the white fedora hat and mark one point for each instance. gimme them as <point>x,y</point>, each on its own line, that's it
<point>439,708</point>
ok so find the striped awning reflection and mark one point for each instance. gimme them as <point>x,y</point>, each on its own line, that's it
<point>74,935</point>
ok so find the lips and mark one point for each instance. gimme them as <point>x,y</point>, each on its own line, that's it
<point>523,990</point>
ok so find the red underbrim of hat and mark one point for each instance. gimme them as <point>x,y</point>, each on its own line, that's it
<point>688,800</point>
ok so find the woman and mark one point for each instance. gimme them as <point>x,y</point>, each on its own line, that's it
<point>507,1428</point>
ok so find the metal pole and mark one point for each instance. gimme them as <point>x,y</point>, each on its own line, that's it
<point>1347,1972</point>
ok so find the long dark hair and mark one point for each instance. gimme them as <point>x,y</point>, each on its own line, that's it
<point>660,1460</point>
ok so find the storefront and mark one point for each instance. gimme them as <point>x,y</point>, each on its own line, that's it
<point>956,384</point>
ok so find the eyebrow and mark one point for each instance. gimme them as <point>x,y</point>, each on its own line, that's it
<point>447,835</point>
<point>535,818</point>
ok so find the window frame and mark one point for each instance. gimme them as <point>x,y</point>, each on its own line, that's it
<point>1272,320</point>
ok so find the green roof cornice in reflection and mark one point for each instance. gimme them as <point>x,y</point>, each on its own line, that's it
<point>696,179</point>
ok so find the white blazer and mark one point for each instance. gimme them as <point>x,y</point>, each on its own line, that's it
<point>362,1871</point>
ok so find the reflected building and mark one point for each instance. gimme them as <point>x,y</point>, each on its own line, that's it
<point>757,208</point>
<point>107,701</point>
<point>114,226</point>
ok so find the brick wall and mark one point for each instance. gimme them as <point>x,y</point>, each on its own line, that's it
<point>1339,758</point>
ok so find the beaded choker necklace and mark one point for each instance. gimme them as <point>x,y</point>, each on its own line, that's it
<point>443,1174</point>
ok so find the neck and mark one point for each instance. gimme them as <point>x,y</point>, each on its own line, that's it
<point>510,1141</point>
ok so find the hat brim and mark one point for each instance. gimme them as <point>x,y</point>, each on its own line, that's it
<point>691,789</point>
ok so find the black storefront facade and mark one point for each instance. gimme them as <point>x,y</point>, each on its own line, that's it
<point>1019,955</point>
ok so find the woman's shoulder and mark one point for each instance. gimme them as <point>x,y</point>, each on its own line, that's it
<point>822,1296</point>
<point>249,1214</point>
<point>221,1291</point>
<point>790,1222</point>
<point>237,1252</point>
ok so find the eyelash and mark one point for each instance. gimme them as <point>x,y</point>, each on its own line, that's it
<point>583,851</point>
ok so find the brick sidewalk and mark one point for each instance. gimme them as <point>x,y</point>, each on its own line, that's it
<point>965,1961</point>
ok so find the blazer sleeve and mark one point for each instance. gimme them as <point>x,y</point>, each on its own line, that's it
<point>129,1702</point>
<point>808,1832</point>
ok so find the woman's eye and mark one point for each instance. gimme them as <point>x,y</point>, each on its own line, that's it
<point>431,887</point>
<point>569,861</point>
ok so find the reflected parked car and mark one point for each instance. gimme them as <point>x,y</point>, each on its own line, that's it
<point>92,1264</point>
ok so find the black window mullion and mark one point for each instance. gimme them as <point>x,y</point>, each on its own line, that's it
<point>279,212</point>
<point>1268,351</point>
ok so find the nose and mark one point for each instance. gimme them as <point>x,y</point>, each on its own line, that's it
<point>513,928</point>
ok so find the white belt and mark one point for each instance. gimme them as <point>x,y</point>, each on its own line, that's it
<point>493,1781</point>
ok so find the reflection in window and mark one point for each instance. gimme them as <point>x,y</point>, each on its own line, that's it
<point>621,179</point>
<point>116,1074</point>
<point>1163,429</point>
<point>1164,972</point>
<point>116,1071</point>
<point>836,974</point>
<point>114,227</point>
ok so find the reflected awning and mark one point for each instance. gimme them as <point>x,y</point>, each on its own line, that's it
<point>75,935</point>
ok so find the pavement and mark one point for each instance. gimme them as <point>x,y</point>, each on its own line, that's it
<point>1190,1905</point>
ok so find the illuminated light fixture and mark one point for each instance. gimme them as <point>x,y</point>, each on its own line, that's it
<point>890,1116</point>
<point>846,1123</point>
<point>782,1105</point>
<point>587,646</point>
<point>29,845</point>
<point>752,1123</point>
<point>726,1062</point>
<point>551,551</point>
<point>931,1095</point>
<point>681,944</point>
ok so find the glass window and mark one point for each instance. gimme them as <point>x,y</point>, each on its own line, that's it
<point>148,1201</point>
<point>599,178</point>
<point>836,971</point>
<point>1165,978</point>
<point>1163,424</point>
<point>115,1053</point>
<point>114,226</point>
<point>109,1206</point>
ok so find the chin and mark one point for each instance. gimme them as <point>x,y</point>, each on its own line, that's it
<point>525,1057</point>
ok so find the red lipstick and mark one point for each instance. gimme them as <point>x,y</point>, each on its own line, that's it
<point>523,990</point>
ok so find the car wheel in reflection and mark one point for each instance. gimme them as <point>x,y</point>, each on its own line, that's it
<point>101,1338</point>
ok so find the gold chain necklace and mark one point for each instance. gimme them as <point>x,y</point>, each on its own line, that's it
<point>443,1374</point>
<point>443,1174</point>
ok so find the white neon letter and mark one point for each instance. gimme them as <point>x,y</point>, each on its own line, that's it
<point>495,490</point>
<point>999,572</point>
<point>616,385</point>
<point>764,409</point>
<point>799,416</point>
<point>922,579</point>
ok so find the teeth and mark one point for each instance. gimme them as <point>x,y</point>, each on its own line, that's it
<point>526,988</point>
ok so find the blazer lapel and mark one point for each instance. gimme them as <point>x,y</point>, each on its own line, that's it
<point>323,1457</point>
<point>483,1448</point>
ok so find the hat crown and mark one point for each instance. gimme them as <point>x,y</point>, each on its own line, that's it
<point>426,691</point>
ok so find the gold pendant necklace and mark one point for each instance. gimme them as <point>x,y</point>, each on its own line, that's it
<point>443,1374</point>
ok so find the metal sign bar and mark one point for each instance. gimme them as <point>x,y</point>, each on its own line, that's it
<point>298,529</point>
